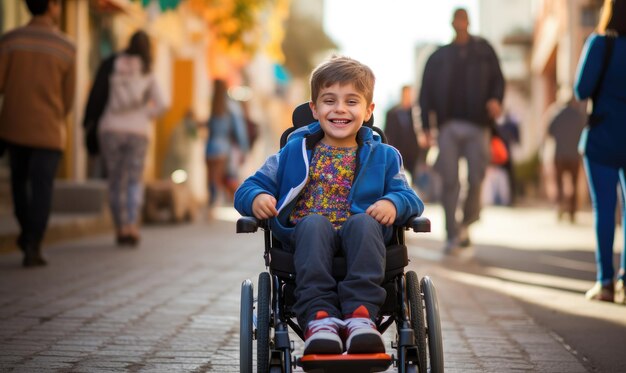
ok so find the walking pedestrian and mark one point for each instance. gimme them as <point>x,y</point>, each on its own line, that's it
<point>462,88</point>
<point>37,79</point>
<point>565,124</point>
<point>508,129</point>
<point>496,189</point>
<point>227,141</point>
<point>401,133</point>
<point>601,77</point>
<point>134,100</point>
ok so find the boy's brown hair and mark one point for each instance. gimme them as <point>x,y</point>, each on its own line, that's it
<point>343,70</point>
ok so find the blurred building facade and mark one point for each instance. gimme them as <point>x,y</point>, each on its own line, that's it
<point>538,43</point>
<point>561,28</point>
<point>194,41</point>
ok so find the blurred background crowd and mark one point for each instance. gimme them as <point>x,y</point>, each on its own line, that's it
<point>262,51</point>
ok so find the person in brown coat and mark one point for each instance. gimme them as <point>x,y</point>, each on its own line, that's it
<point>37,79</point>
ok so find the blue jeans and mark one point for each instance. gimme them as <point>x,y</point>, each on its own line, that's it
<point>603,181</point>
<point>362,241</point>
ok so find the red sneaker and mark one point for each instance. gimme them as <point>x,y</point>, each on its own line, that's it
<point>322,335</point>
<point>362,335</point>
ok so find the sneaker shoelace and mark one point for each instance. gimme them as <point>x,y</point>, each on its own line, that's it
<point>327,324</point>
<point>355,323</point>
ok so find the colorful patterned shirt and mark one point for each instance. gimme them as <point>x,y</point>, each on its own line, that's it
<point>330,179</point>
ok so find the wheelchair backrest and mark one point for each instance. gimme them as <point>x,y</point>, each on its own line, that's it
<point>302,116</point>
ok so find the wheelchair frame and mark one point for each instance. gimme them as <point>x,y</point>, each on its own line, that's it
<point>412,306</point>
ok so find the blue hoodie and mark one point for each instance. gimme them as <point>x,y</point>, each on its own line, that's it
<point>378,176</point>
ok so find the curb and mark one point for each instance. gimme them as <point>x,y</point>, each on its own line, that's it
<point>61,227</point>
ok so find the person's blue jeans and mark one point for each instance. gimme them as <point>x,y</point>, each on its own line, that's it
<point>362,241</point>
<point>603,181</point>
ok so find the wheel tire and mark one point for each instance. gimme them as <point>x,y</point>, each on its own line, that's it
<point>245,327</point>
<point>417,317</point>
<point>433,322</point>
<point>263,323</point>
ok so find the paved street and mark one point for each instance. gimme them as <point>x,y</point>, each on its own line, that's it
<point>173,303</point>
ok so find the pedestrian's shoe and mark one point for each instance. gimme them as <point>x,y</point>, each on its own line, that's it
<point>601,292</point>
<point>121,239</point>
<point>362,336</point>
<point>32,256</point>
<point>452,248</point>
<point>322,335</point>
<point>133,239</point>
<point>620,296</point>
<point>127,240</point>
<point>559,213</point>
<point>463,239</point>
<point>572,218</point>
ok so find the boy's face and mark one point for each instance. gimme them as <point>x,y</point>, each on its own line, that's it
<point>341,111</point>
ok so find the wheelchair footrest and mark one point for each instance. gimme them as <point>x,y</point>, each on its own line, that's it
<point>345,363</point>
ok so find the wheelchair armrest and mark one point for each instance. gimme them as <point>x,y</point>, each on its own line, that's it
<point>418,224</point>
<point>248,224</point>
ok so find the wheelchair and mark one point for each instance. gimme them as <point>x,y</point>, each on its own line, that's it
<point>411,304</point>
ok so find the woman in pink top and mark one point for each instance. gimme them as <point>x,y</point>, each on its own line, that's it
<point>134,101</point>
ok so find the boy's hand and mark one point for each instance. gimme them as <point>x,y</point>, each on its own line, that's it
<point>264,206</point>
<point>384,211</point>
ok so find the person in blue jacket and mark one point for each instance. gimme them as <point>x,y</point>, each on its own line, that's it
<point>227,137</point>
<point>335,186</point>
<point>602,143</point>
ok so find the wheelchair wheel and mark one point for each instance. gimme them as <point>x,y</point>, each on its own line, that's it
<point>245,327</point>
<point>417,317</point>
<point>435,341</point>
<point>263,323</point>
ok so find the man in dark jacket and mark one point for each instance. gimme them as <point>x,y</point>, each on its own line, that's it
<point>462,88</point>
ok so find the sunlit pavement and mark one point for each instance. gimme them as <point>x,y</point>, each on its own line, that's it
<point>530,254</point>
<point>542,265</point>
<point>173,303</point>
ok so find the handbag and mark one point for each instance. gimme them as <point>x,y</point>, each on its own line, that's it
<point>499,151</point>
<point>595,118</point>
<point>98,97</point>
<point>91,137</point>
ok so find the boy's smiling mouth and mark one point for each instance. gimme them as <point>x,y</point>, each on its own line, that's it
<point>340,122</point>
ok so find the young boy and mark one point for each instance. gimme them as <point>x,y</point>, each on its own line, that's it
<point>334,186</point>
